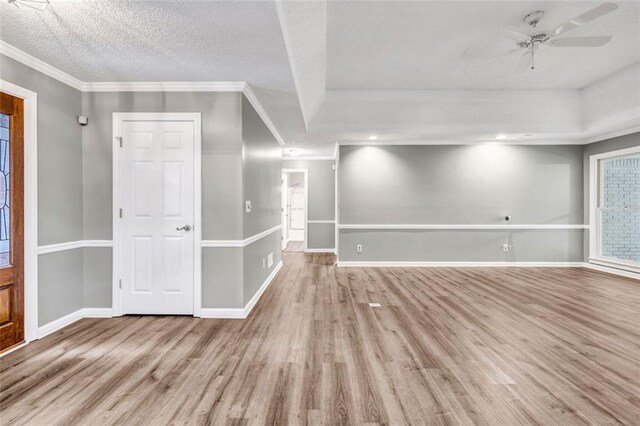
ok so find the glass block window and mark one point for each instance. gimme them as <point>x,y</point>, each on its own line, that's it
<point>5,214</point>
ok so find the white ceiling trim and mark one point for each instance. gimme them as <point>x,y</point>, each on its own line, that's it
<point>38,65</point>
<point>135,86</point>
<point>262,113</point>
<point>165,86</point>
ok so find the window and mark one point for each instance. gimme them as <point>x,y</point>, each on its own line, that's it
<point>617,209</point>
<point>5,221</point>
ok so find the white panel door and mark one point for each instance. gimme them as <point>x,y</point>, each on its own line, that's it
<point>156,165</point>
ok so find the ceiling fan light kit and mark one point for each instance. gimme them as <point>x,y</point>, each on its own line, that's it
<point>39,5</point>
<point>549,38</point>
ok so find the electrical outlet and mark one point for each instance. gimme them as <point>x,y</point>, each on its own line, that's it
<point>270,260</point>
<point>506,247</point>
<point>359,248</point>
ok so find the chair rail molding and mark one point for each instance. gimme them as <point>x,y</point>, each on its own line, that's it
<point>239,243</point>
<point>462,227</point>
<point>73,245</point>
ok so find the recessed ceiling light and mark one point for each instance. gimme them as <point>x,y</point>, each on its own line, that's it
<point>373,137</point>
<point>501,137</point>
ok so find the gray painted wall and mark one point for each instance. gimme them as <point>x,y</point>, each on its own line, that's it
<point>60,285</point>
<point>261,182</point>
<point>254,275</point>
<point>98,266</point>
<point>460,185</point>
<point>60,280</point>
<point>614,144</point>
<point>261,173</point>
<point>322,193</point>
<point>222,278</point>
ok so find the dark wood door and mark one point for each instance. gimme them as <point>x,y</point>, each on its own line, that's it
<point>11,221</point>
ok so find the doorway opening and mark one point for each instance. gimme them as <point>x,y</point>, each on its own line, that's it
<point>294,210</point>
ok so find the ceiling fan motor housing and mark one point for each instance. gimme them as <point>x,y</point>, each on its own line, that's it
<point>537,38</point>
<point>534,18</point>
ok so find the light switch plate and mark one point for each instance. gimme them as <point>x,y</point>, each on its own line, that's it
<point>248,206</point>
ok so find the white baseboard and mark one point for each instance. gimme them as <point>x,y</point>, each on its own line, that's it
<point>615,271</point>
<point>462,264</point>
<point>97,312</point>
<point>249,306</point>
<point>222,313</point>
<point>320,250</point>
<point>56,325</point>
<point>69,319</point>
<point>241,312</point>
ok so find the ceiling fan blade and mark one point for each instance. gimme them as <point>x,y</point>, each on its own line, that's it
<point>596,41</point>
<point>589,16</point>
<point>514,35</point>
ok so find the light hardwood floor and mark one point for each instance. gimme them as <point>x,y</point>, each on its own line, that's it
<point>506,346</point>
<point>294,246</point>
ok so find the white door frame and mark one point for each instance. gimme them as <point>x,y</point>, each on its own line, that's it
<point>118,118</point>
<point>30,206</point>
<point>306,202</point>
<point>595,184</point>
<point>284,214</point>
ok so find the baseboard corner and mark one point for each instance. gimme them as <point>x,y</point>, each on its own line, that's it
<point>254,300</point>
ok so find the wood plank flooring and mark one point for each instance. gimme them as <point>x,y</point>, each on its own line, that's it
<point>294,246</point>
<point>555,346</point>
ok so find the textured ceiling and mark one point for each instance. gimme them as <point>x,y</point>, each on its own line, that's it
<point>169,40</point>
<point>460,45</point>
<point>335,70</point>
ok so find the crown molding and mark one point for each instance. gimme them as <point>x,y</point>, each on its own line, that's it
<point>142,86</point>
<point>253,100</point>
<point>38,65</point>
<point>165,86</point>
<point>631,126</point>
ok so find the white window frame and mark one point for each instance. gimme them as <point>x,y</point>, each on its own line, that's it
<point>595,191</point>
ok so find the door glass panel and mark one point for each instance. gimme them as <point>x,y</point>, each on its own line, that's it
<point>620,208</point>
<point>5,221</point>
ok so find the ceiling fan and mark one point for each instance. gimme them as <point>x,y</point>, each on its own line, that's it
<point>531,43</point>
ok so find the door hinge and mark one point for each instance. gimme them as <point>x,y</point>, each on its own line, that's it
<point>120,213</point>
<point>120,284</point>
<point>119,140</point>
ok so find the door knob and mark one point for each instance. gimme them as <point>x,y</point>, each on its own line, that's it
<point>184,228</point>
